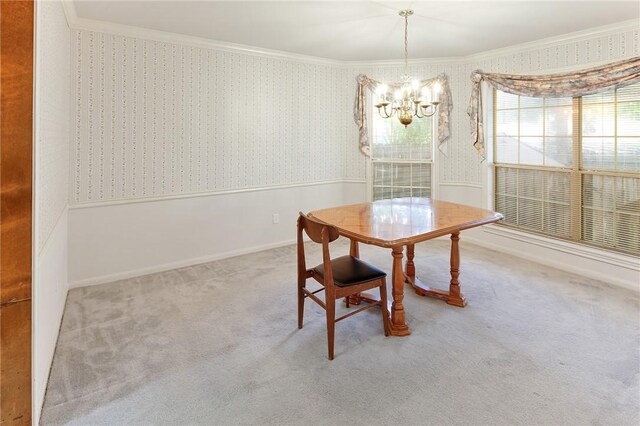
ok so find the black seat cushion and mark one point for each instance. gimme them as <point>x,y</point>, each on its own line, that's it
<point>349,270</point>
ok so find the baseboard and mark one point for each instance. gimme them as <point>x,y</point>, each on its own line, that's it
<point>103,279</point>
<point>552,262</point>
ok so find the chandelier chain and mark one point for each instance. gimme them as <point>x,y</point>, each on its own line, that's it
<point>406,44</point>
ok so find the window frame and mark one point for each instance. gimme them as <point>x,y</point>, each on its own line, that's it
<point>370,161</point>
<point>576,175</point>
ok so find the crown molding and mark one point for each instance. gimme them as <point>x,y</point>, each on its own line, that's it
<point>573,37</point>
<point>169,37</point>
<point>69,12</point>
<point>77,23</point>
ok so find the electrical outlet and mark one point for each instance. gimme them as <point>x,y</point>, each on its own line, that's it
<point>276,218</point>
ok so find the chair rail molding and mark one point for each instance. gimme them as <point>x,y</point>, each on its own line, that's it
<point>213,193</point>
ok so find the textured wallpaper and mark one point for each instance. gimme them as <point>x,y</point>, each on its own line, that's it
<point>155,119</point>
<point>52,119</point>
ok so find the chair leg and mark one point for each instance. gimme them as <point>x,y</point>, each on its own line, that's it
<point>330,301</point>
<point>383,306</point>
<point>300,303</point>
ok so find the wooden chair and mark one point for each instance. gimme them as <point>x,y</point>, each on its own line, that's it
<point>340,277</point>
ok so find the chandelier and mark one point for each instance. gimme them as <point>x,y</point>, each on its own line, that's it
<point>408,101</point>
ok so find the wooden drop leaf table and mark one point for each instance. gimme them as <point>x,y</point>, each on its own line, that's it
<point>401,222</point>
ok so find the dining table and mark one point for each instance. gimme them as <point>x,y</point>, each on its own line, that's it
<point>403,222</point>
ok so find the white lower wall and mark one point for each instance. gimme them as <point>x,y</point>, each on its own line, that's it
<point>612,268</point>
<point>117,241</point>
<point>354,192</point>
<point>463,193</point>
<point>50,285</point>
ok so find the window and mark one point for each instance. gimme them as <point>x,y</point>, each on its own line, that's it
<point>570,167</point>
<point>401,158</point>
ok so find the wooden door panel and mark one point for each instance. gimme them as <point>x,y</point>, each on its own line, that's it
<point>16,135</point>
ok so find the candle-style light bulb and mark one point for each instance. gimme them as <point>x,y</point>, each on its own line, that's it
<point>382,93</point>
<point>426,96</point>
<point>436,91</point>
<point>415,85</point>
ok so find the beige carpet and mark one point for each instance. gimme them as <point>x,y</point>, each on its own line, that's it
<point>217,344</point>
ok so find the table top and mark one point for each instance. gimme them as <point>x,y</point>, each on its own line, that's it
<point>402,221</point>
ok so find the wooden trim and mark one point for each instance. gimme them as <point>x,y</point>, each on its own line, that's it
<point>576,177</point>
<point>530,167</point>
<point>16,133</point>
<point>612,173</point>
<point>494,151</point>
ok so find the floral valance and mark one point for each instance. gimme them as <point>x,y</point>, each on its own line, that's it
<point>360,108</point>
<point>579,83</point>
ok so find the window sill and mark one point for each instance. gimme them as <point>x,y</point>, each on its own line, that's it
<point>593,253</point>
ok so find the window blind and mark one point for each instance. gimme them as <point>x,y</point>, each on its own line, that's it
<point>570,167</point>
<point>401,158</point>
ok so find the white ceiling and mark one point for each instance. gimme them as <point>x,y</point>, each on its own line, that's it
<point>365,30</point>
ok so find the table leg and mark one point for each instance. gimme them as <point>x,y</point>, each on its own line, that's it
<point>453,296</point>
<point>354,299</point>
<point>410,268</point>
<point>397,325</point>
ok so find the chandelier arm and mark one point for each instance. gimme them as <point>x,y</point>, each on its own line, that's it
<point>415,109</point>
<point>386,113</point>
<point>427,108</point>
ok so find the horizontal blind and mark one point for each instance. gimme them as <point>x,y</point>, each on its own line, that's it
<point>395,180</point>
<point>610,168</point>
<point>611,212</point>
<point>534,161</point>
<point>570,167</point>
<point>537,200</point>
<point>401,158</point>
